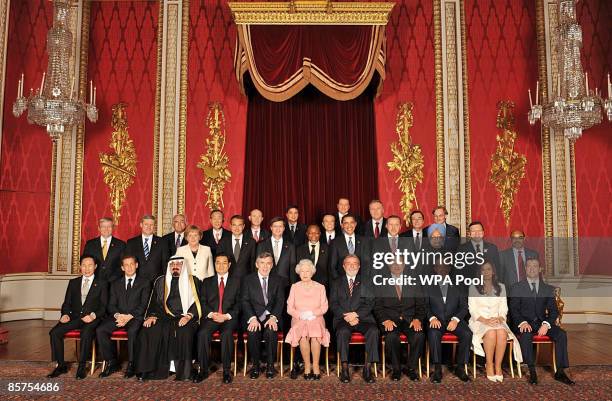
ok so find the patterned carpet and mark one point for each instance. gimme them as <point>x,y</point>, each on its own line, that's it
<point>592,383</point>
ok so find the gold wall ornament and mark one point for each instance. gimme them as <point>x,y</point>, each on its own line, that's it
<point>407,159</point>
<point>215,162</point>
<point>119,168</point>
<point>507,166</point>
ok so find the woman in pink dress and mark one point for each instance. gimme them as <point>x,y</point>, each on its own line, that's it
<point>307,303</point>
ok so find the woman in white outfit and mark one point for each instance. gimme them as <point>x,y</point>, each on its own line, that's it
<point>488,309</point>
<point>197,256</point>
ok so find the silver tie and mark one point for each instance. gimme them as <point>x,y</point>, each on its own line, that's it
<point>276,251</point>
<point>351,246</point>
<point>84,290</point>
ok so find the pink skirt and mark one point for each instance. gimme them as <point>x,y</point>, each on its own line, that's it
<point>307,328</point>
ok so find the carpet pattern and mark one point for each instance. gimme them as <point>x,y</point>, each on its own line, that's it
<point>592,383</point>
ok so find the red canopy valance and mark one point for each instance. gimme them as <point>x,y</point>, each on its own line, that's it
<point>339,60</point>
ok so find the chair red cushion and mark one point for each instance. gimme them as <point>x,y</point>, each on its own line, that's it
<point>357,338</point>
<point>403,338</point>
<point>73,334</point>
<point>450,338</point>
<point>541,339</point>
<point>279,336</point>
<point>119,334</point>
<point>217,336</point>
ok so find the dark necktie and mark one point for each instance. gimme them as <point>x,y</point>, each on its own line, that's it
<point>521,265</point>
<point>129,285</point>
<point>329,239</point>
<point>292,230</point>
<point>237,250</point>
<point>417,241</point>
<point>146,248</point>
<point>221,291</point>
<point>312,252</point>
<point>178,241</point>
<point>534,292</point>
<point>393,244</point>
<point>477,248</point>
<point>351,286</point>
<point>264,289</point>
<point>377,230</point>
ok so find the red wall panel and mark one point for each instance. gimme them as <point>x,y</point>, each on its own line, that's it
<point>212,40</point>
<point>502,64</point>
<point>25,160</point>
<point>123,66</point>
<point>594,149</point>
<point>409,78</point>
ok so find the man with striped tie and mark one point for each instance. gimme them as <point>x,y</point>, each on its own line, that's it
<point>149,249</point>
<point>352,311</point>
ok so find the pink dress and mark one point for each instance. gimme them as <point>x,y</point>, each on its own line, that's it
<point>303,299</point>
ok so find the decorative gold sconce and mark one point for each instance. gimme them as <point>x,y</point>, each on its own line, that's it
<point>215,162</point>
<point>507,166</point>
<point>119,168</point>
<point>407,159</point>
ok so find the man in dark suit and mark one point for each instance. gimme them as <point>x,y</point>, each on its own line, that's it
<point>318,252</point>
<point>447,309</point>
<point>283,251</point>
<point>352,311</point>
<point>348,243</point>
<point>392,243</point>
<point>512,260</point>
<point>328,224</point>
<point>295,232</point>
<point>212,237</point>
<point>263,302</point>
<point>239,248</point>
<point>107,250</point>
<point>83,308</point>
<point>481,249</point>
<point>417,233</point>
<point>176,238</point>
<point>149,249</point>
<point>220,308</point>
<point>255,230</point>
<point>126,307</point>
<point>401,308</point>
<point>452,236</point>
<point>533,311</point>
<point>376,226</point>
<point>343,208</point>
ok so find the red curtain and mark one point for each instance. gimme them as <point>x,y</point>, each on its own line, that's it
<point>338,60</point>
<point>309,151</point>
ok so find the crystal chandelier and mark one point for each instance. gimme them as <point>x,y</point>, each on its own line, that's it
<point>55,105</point>
<point>572,107</point>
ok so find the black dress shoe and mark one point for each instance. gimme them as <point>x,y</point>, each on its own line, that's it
<point>436,377</point>
<point>345,376</point>
<point>227,377</point>
<point>110,368</point>
<point>129,371</point>
<point>308,376</point>
<point>199,377</point>
<point>143,377</point>
<point>412,375</point>
<point>533,376</point>
<point>295,371</point>
<point>396,375</point>
<point>562,377</point>
<point>270,371</point>
<point>460,373</point>
<point>254,372</point>
<point>60,369</point>
<point>81,372</point>
<point>367,375</point>
<point>315,376</point>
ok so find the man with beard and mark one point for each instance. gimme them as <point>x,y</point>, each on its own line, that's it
<point>171,320</point>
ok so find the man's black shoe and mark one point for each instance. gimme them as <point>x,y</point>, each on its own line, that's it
<point>396,375</point>
<point>129,371</point>
<point>110,368</point>
<point>436,377</point>
<point>254,372</point>
<point>345,376</point>
<point>200,377</point>
<point>412,375</point>
<point>562,377</point>
<point>367,375</point>
<point>60,369</point>
<point>227,377</point>
<point>533,376</point>
<point>81,372</point>
<point>460,373</point>
<point>270,371</point>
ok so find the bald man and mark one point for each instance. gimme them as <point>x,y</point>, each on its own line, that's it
<point>512,260</point>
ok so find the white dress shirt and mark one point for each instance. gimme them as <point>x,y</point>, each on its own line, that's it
<point>380,225</point>
<point>317,246</point>
<point>108,241</point>
<point>149,239</point>
<point>331,234</point>
<point>130,277</point>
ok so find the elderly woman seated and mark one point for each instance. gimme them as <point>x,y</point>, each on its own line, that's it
<point>307,303</point>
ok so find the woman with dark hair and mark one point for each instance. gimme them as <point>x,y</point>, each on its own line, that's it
<point>488,309</point>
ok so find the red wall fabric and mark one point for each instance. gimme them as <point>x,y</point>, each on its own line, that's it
<point>409,77</point>
<point>502,64</point>
<point>212,41</point>
<point>25,161</point>
<point>123,66</point>
<point>594,149</point>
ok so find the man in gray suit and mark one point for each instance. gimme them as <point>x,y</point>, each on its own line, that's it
<point>513,259</point>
